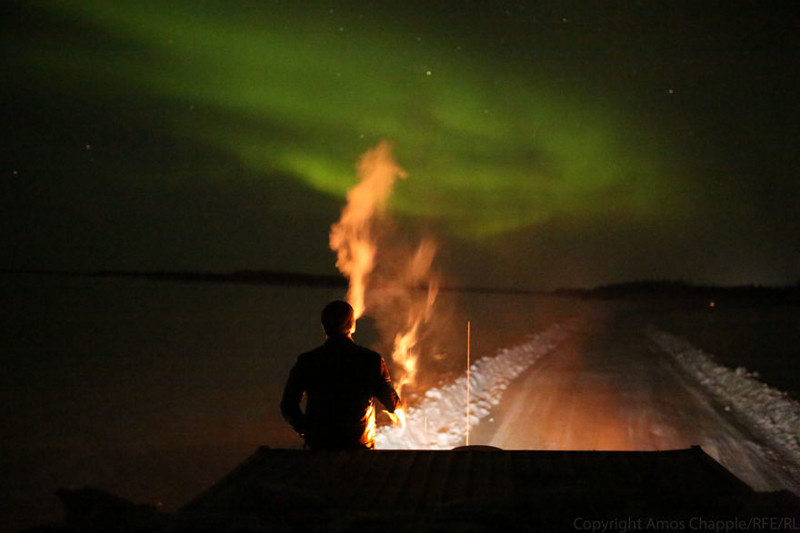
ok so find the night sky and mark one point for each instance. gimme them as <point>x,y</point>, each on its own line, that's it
<point>546,143</point>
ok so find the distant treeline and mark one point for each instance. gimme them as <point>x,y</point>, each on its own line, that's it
<point>256,277</point>
<point>681,290</point>
<point>637,290</point>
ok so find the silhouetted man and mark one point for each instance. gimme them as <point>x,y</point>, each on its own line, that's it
<point>340,380</point>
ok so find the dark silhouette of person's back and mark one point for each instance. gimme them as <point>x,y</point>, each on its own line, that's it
<point>340,380</point>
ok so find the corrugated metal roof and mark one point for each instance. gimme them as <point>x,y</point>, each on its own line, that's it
<point>296,489</point>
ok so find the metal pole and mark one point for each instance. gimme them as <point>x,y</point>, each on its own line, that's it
<point>468,341</point>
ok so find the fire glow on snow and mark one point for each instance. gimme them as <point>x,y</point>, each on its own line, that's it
<point>437,422</point>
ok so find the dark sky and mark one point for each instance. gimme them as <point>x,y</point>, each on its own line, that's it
<point>546,143</point>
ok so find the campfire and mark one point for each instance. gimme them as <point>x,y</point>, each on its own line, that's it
<point>398,294</point>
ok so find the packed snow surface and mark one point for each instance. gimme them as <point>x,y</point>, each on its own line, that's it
<point>612,385</point>
<point>770,414</point>
<point>439,421</point>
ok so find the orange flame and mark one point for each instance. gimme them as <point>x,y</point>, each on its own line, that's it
<point>406,349</point>
<point>398,417</point>
<point>371,430</point>
<point>399,294</point>
<point>351,237</point>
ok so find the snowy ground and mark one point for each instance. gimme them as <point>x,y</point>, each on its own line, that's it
<point>439,421</point>
<point>769,414</point>
<point>625,387</point>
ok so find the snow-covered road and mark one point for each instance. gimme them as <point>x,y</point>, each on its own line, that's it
<point>601,386</point>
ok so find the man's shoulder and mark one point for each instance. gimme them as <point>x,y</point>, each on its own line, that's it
<point>367,353</point>
<point>362,351</point>
<point>340,346</point>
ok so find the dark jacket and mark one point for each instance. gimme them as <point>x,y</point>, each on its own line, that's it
<point>340,380</point>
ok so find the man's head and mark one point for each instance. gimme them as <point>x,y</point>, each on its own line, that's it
<point>338,319</point>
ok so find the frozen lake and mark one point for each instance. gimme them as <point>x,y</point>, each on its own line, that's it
<point>153,390</point>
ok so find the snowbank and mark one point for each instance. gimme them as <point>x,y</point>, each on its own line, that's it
<point>439,420</point>
<point>770,412</point>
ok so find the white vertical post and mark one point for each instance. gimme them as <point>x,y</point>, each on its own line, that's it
<point>468,341</point>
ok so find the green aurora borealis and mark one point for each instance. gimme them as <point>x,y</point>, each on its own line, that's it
<point>510,119</point>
